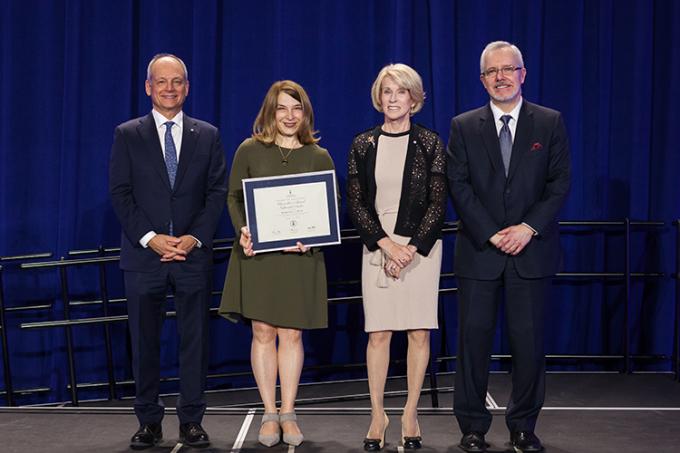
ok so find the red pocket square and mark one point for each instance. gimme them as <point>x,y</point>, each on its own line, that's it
<point>536,147</point>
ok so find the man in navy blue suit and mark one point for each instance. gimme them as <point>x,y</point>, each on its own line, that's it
<point>508,170</point>
<point>167,185</point>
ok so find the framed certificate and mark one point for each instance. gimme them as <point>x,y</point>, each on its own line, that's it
<point>282,210</point>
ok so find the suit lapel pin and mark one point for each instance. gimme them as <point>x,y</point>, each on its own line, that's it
<point>536,147</point>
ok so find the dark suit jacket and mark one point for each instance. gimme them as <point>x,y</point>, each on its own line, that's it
<point>486,201</point>
<point>144,201</point>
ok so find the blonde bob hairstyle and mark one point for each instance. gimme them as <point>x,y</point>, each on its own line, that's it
<point>404,76</point>
<point>264,127</point>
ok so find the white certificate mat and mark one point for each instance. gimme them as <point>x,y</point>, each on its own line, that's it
<point>296,211</point>
<point>284,210</point>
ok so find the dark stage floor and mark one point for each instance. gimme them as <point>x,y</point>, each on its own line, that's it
<point>583,413</point>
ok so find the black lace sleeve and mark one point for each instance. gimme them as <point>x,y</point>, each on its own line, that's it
<point>362,214</point>
<point>429,229</point>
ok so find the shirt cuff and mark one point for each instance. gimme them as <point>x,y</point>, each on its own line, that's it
<point>531,228</point>
<point>199,244</point>
<point>144,241</point>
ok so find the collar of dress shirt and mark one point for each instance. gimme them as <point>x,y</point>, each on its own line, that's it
<point>161,120</point>
<point>514,113</point>
<point>176,130</point>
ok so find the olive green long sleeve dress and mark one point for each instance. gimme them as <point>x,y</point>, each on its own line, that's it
<point>281,289</point>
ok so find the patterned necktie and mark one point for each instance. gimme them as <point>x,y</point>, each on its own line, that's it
<point>170,153</point>
<point>505,139</point>
<point>170,161</point>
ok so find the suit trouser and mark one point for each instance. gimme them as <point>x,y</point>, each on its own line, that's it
<point>478,302</point>
<point>146,300</point>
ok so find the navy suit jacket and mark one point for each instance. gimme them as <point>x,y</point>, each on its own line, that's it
<point>144,201</point>
<point>486,201</point>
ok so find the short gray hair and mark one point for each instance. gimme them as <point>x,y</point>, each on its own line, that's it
<point>499,45</point>
<point>158,56</point>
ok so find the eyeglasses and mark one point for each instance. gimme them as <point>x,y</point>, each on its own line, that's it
<point>505,70</point>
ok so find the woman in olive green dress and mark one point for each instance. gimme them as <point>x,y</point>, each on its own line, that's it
<point>279,293</point>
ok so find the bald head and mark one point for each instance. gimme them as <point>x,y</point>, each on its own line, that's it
<point>166,56</point>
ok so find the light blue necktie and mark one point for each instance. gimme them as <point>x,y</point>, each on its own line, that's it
<point>170,159</point>
<point>505,139</point>
<point>170,153</point>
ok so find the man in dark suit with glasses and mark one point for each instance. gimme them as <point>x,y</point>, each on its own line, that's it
<point>509,173</point>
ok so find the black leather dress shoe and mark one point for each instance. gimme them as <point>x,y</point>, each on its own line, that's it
<point>148,435</point>
<point>525,441</point>
<point>473,442</point>
<point>193,434</point>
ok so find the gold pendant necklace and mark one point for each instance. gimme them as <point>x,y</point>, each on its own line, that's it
<point>284,157</point>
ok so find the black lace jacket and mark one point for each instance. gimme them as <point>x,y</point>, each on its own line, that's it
<point>422,207</point>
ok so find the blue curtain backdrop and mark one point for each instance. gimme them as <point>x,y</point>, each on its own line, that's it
<point>70,71</point>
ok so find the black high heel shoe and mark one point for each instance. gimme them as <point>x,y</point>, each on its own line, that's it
<point>376,444</point>
<point>411,442</point>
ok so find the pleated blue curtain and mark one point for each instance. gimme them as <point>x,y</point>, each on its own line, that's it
<point>72,70</point>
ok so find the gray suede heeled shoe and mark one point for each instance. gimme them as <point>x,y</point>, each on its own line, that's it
<point>269,440</point>
<point>291,439</point>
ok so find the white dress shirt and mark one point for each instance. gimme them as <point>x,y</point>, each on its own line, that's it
<point>512,124</point>
<point>176,131</point>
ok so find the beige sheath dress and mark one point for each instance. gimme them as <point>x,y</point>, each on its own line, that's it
<point>409,302</point>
